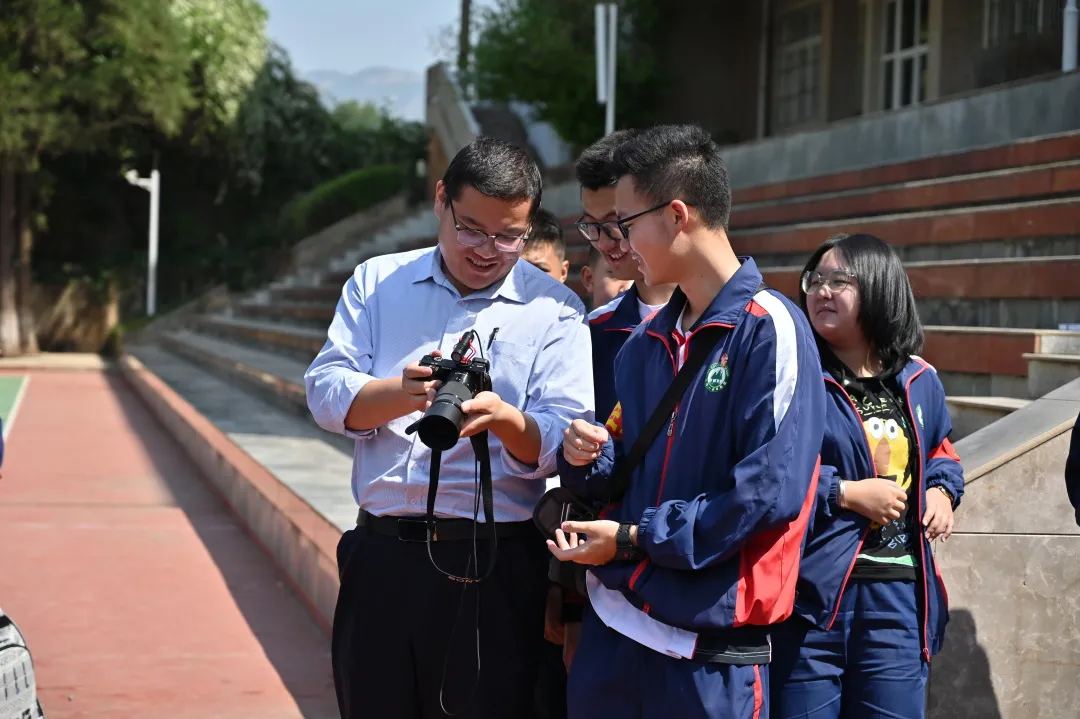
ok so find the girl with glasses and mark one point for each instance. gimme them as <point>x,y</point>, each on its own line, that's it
<point>870,607</point>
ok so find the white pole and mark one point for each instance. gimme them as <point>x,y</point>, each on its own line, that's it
<point>613,24</point>
<point>601,53</point>
<point>151,283</point>
<point>1069,37</point>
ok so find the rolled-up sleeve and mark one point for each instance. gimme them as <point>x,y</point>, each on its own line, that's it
<point>342,366</point>
<point>560,389</point>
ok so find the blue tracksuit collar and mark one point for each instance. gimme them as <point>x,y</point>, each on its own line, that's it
<point>627,314</point>
<point>726,308</point>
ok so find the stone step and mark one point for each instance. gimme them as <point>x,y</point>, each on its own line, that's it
<point>1001,185</point>
<point>990,361</point>
<point>998,225</point>
<point>970,414</point>
<point>1047,372</point>
<point>299,343</point>
<point>313,315</point>
<point>307,294</point>
<point>1021,153</point>
<point>999,292</point>
<point>275,378</point>
<point>292,449</point>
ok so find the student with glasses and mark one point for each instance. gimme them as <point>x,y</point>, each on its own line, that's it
<point>870,606</point>
<point>612,322</point>
<point>408,641</point>
<point>697,558</point>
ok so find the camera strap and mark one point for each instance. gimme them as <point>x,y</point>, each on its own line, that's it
<point>483,459</point>
<point>706,340</point>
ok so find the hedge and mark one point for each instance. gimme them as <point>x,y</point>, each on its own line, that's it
<point>343,196</point>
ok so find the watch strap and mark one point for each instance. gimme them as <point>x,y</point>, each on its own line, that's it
<point>625,551</point>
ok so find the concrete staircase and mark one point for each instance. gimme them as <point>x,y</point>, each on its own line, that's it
<point>991,241</point>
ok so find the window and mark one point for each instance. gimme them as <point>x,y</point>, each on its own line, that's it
<point>1004,20</point>
<point>906,49</point>
<point>796,66</point>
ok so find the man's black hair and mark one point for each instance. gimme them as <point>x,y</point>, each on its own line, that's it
<point>593,166</point>
<point>888,316</point>
<point>546,230</point>
<point>496,168</point>
<point>678,162</point>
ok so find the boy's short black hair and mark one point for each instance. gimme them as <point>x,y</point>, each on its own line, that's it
<point>496,168</point>
<point>888,316</point>
<point>546,230</point>
<point>678,162</point>
<point>593,166</point>
<point>594,255</point>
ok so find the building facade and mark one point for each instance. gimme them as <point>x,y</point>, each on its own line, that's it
<point>749,69</point>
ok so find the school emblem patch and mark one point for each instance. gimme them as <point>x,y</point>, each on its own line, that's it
<point>716,377</point>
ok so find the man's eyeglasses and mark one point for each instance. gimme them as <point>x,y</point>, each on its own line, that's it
<point>837,281</point>
<point>624,229</point>
<point>591,230</point>
<point>471,237</point>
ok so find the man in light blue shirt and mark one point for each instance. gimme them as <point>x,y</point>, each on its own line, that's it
<point>405,636</point>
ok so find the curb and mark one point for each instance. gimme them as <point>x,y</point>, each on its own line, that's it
<point>298,538</point>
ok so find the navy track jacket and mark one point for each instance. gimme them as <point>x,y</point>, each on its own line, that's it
<point>724,495</point>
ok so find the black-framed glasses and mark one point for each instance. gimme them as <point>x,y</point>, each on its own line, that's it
<point>591,230</point>
<point>837,281</point>
<point>624,229</point>
<point>471,237</point>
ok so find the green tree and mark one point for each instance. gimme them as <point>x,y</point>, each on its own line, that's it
<point>542,52</point>
<point>72,75</point>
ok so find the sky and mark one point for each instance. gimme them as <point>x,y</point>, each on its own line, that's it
<point>350,35</point>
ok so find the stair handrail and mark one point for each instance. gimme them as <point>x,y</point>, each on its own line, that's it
<point>447,113</point>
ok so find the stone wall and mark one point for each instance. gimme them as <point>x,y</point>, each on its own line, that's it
<point>995,116</point>
<point>1012,570</point>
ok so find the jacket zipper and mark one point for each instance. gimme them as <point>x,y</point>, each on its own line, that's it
<point>919,492</point>
<point>866,532</point>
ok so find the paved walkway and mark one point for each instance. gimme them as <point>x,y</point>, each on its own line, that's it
<point>137,592</point>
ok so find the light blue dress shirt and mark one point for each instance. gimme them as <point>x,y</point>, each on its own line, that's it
<point>397,308</point>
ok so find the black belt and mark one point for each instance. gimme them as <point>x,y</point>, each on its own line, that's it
<point>414,529</point>
<point>748,644</point>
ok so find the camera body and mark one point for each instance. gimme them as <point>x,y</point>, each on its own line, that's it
<point>462,379</point>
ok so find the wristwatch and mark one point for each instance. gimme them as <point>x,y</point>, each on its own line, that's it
<point>625,551</point>
<point>946,492</point>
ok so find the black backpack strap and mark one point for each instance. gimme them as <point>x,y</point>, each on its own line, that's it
<point>707,339</point>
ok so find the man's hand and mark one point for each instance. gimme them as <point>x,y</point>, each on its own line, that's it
<point>879,500</point>
<point>415,383</point>
<point>938,518</point>
<point>598,547</point>
<point>484,411</point>
<point>582,442</point>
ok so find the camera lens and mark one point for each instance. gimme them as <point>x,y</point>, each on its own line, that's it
<point>441,424</point>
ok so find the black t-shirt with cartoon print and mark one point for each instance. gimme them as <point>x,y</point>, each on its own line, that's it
<point>890,552</point>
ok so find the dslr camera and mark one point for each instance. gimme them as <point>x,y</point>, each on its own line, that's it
<point>462,377</point>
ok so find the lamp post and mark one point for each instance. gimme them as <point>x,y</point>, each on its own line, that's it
<point>1069,36</point>
<point>607,18</point>
<point>151,184</point>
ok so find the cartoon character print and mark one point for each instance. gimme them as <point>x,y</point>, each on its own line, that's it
<point>890,447</point>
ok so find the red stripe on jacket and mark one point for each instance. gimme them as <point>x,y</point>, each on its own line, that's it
<point>769,567</point>
<point>945,450</point>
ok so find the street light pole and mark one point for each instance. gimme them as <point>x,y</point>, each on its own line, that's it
<point>607,18</point>
<point>1069,36</point>
<point>151,184</point>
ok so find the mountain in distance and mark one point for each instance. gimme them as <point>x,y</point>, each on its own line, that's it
<point>401,90</point>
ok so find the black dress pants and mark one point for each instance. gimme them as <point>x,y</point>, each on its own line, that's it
<point>404,634</point>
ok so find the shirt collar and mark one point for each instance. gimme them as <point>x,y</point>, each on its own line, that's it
<point>726,308</point>
<point>511,287</point>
